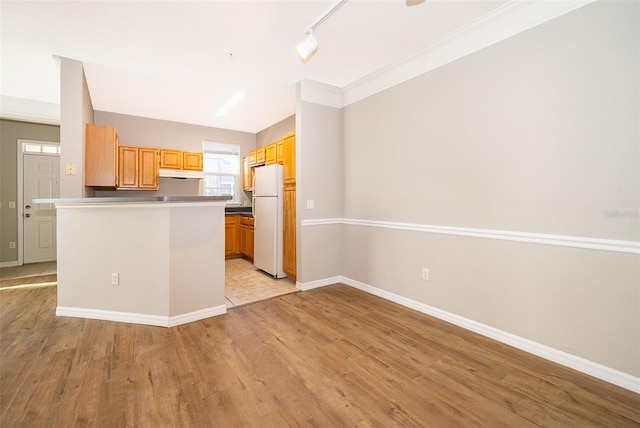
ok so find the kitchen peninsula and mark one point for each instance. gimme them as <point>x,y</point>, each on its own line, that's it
<point>145,260</point>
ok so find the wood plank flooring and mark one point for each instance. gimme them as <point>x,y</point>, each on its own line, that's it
<point>330,357</point>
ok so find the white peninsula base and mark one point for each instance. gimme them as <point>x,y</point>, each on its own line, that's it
<point>158,262</point>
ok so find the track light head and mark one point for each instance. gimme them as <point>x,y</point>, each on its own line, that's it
<point>307,48</point>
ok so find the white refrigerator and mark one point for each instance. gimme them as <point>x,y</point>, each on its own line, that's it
<point>267,211</point>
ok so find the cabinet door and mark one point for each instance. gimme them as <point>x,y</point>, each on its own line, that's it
<point>289,164</point>
<point>148,168</point>
<point>100,156</point>
<point>170,159</point>
<point>192,161</point>
<point>280,152</point>
<point>270,154</point>
<point>231,238</point>
<point>246,174</point>
<point>250,243</point>
<point>289,231</point>
<point>128,167</point>
<point>252,158</point>
<point>260,156</point>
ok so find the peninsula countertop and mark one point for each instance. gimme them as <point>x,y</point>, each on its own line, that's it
<point>132,199</point>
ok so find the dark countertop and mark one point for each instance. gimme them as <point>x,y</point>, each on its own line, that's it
<point>238,211</point>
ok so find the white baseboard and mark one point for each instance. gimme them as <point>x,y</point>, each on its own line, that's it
<point>157,320</point>
<point>320,283</point>
<point>197,315</point>
<point>591,368</point>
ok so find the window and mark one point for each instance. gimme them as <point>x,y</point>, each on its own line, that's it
<point>35,147</point>
<point>221,169</point>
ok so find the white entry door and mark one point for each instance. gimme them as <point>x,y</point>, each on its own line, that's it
<point>41,179</point>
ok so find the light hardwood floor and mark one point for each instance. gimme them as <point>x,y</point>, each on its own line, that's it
<point>243,282</point>
<point>330,357</point>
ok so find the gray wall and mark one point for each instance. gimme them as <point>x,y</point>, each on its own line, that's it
<point>319,177</point>
<point>10,132</point>
<point>536,134</point>
<point>76,110</point>
<point>275,132</point>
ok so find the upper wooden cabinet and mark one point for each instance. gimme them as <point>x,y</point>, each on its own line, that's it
<point>252,158</point>
<point>192,161</point>
<point>260,156</point>
<point>270,154</point>
<point>138,168</point>
<point>289,161</point>
<point>100,156</point>
<point>247,175</point>
<point>170,159</point>
<point>148,169</point>
<point>128,167</point>
<point>280,152</point>
<point>178,159</point>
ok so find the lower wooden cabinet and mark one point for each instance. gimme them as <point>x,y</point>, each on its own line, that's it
<point>238,238</point>
<point>289,231</point>
<point>246,237</point>
<point>231,237</point>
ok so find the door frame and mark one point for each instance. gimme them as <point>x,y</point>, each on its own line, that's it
<point>20,185</point>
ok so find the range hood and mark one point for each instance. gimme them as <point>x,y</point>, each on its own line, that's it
<point>180,173</point>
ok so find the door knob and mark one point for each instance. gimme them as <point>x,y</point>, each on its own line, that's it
<point>28,206</point>
<point>27,215</point>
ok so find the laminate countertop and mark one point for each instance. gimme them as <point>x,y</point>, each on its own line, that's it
<point>132,199</point>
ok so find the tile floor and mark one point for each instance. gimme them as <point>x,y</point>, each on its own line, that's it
<point>244,284</point>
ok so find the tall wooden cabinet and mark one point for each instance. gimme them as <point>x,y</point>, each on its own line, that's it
<point>289,196</point>
<point>289,231</point>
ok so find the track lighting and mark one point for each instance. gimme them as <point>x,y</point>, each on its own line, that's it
<point>308,48</point>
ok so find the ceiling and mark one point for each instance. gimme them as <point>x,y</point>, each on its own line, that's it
<point>182,61</point>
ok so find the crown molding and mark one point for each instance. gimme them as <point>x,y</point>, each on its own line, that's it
<point>505,21</point>
<point>24,110</point>
<point>320,93</point>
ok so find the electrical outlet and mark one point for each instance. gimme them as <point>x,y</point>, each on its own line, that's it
<point>12,204</point>
<point>115,279</point>
<point>70,169</point>
<point>311,204</point>
<point>12,244</point>
<point>425,274</point>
